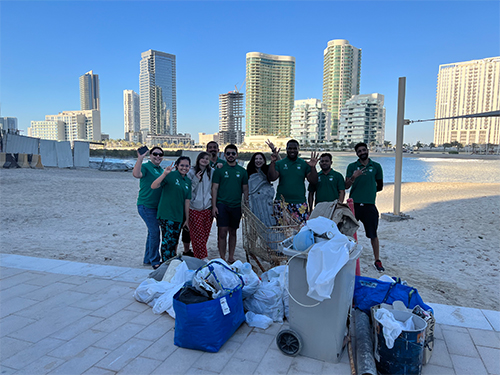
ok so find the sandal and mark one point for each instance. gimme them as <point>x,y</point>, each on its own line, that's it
<point>156,266</point>
<point>188,254</point>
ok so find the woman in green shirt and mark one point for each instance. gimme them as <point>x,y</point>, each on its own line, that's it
<point>147,201</point>
<point>173,209</point>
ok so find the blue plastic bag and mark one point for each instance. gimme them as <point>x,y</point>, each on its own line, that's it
<point>208,325</point>
<point>369,292</point>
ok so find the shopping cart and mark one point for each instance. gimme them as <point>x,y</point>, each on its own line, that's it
<point>261,243</point>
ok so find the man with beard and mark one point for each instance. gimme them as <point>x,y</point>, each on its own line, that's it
<point>213,150</point>
<point>330,186</point>
<point>366,178</point>
<point>292,171</point>
<point>228,184</point>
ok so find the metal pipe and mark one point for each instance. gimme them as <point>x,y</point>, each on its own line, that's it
<point>365,362</point>
<point>399,145</point>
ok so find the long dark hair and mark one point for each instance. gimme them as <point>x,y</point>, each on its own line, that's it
<point>197,167</point>
<point>251,168</point>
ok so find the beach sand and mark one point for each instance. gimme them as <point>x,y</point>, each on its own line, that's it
<point>449,250</point>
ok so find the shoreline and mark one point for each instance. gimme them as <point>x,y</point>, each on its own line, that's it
<point>449,250</point>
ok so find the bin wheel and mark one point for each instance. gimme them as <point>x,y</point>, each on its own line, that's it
<point>289,342</point>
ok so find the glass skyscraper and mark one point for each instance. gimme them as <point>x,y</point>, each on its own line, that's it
<point>341,77</point>
<point>157,89</point>
<point>270,82</point>
<point>89,91</point>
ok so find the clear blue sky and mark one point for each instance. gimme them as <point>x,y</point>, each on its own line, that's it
<point>46,46</point>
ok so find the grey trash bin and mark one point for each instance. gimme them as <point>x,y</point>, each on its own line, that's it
<point>317,332</point>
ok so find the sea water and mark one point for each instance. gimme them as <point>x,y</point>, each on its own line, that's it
<point>415,169</point>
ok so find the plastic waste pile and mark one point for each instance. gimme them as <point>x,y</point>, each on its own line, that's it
<point>327,252</point>
<point>265,299</point>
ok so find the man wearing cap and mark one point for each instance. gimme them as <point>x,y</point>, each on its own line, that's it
<point>365,178</point>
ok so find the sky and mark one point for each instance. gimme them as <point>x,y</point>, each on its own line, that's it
<point>46,46</point>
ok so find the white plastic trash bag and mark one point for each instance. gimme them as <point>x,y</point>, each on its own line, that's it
<point>321,226</point>
<point>149,290</point>
<point>267,300</point>
<point>216,279</point>
<point>249,277</point>
<point>258,320</point>
<point>392,328</point>
<point>164,303</point>
<point>324,261</point>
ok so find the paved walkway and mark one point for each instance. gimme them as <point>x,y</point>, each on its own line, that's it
<point>62,317</point>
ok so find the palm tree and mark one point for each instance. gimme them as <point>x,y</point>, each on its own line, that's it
<point>431,145</point>
<point>446,145</point>
<point>419,145</point>
<point>387,144</point>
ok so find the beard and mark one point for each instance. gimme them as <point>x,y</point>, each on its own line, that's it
<point>363,157</point>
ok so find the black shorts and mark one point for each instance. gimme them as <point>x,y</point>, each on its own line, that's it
<point>368,215</point>
<point>228,216</point>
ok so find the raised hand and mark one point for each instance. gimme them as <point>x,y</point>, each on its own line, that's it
<point>169,169</point>
<point>199,174</point>
<point>358,172</point>
<point>271,145</point>
<point>275,156</point>
<point>314,159</point>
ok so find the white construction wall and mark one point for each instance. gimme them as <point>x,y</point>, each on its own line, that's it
<point>81,154</point>
<point>19,144</point>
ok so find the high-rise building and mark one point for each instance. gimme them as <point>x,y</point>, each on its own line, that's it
<point>69,126</point>
<point>157,83</point>
<point>341,77</point>
<point>310,122</point>
<point>231,118</point>
<point>89,91</point>
<point>132,116</point>
<point>9,124</point>
<point>362,119</point>
<point>270,82</point>
<point>52,130</point>
<point>466,88</point>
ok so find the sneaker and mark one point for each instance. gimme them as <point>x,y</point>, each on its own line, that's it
<point>378,266</point>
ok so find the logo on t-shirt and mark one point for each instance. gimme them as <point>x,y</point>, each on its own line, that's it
<point>238,174</point>
<point>298,167</point>
<point>331,178</point>
<point>177,182</point>
<point>370,169</point>
<point>226,175</point>
<point>285,166</point>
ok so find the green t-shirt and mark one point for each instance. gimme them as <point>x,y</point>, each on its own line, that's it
<point>147,196</point>
<point>231,181</point>
<point>291,184</point>
<point>364,188</point>
<point>174,192</point>
<point>219,160</point>
<point>328,187</point>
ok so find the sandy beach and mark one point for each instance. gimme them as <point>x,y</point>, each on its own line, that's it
<point>449,250</point>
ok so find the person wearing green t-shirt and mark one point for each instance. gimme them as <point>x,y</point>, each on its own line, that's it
<point>147,201</point>
<point>228,184</point>
<point>292,172</point>
<point>365,178</point>
<point>173,208</point>
<point>330,186</point>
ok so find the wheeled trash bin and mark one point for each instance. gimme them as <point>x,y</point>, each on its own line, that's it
<point>317,329</point>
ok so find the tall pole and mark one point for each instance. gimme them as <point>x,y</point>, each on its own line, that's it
<point>399,145</point>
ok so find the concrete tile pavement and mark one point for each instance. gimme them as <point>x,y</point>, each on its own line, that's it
<point>60,317</point>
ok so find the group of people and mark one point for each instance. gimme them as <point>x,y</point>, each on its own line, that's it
<point>183,198</point>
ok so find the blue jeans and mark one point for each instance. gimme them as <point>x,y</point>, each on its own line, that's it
<point>152,253</point>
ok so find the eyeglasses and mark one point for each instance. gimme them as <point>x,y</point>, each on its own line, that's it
<point>229,153</point>
<point>156,154</point>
